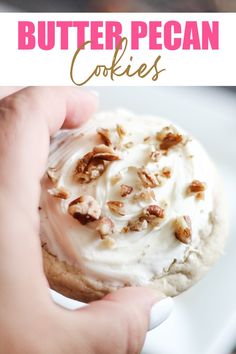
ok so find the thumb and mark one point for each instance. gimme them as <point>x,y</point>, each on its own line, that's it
<point>118,323</point>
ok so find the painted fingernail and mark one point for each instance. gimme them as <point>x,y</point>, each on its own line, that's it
<point>160,312</point>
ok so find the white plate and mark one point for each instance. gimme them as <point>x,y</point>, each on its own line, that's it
<point>204,318</point>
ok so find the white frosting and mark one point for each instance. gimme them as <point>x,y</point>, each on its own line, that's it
<point>137,257</point>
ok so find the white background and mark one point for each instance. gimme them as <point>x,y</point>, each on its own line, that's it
<point>38,67</point>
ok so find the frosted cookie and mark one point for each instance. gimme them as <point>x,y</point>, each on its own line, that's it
<point>129,201</point>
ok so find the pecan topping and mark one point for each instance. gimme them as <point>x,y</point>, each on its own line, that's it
<point>125,190</point>
<point>84,162</point>
<point>152,214</point>
<point>196,186</point>
<point>147,139</point>
<point>200,196</point>
<point>162,134</point>
<point>95,170</point>
<point>120,131</point>
<point>105,135</point>
<point>116,207</point>
<point>136,225</point>
<point>105,227</point>
<point>166,172</point>
<point>148,179</point>
<point>85,209</point>
<point>155,155</point>
<point>183,229</point>
<point>88,169</point>
<point>145,195</point>
<point>170,140</point>
<point>129,145</point>
<point>59,192</point>
<point>154,210</point>
<point>116,178</point>
<point>104,152</point>
<point>92,165</point>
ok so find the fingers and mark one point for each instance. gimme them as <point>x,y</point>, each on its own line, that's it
<point>27,118</point>
<point>118,323</point>
<point>83,111</point>
<point>8,90</point>
<point>58,104</point>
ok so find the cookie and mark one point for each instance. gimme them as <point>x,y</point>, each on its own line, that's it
<point>129,201</point>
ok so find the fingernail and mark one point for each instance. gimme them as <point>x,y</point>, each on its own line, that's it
<point>160,312</point>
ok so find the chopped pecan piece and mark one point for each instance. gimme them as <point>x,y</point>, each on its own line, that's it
<point>59,192</point>
<point>148,179</point>
<point>196,186</point>
<point>166,172</point>
<point>154,210</point>
<point>183,229</point>
<point>170,140</point>
<point>95,169</point>
<point>105,227</point>
<point>92,165</point>
<point>116,207</point>
<point>85,209</point>
<point>200,196</point>
<point>84,162</point>
<point>152,214</point>
<point>147,139</point>
<point>88,169</point>
<point>116,178</point>
<point>155,155</point>
<point>125,190</point>
<point>103,152</point>
<point>136,225</point>
<point>161,135</point>
<point>129,145</point>
<point>120,131</point>
<point>105,135</point>
<point>145,195</point>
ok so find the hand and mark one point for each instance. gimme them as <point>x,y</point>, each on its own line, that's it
<point>30,322</point>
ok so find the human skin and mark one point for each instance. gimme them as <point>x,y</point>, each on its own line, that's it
<point>30,322</point>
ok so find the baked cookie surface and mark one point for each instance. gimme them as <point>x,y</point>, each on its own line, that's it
<point>129,201</point>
